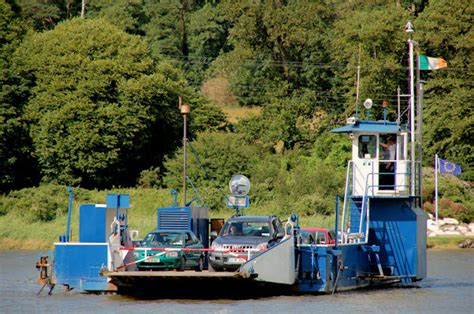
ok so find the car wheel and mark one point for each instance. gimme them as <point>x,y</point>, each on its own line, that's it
<point>213,267</point>
<point>200,265</point>
<point>182,264</point>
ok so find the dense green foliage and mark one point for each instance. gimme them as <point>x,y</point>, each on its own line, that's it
<point>17,166</point>
<point>93,102</point>
<point>449,95</point>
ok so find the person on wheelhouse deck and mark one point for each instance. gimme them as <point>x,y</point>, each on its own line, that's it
<point>387,166</point>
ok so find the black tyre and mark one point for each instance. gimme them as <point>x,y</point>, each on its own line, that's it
<point>214,267</point>
<point>200,265</point>
<point>182,264</point>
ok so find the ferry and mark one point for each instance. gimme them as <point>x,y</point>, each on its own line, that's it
<point>379,232</point>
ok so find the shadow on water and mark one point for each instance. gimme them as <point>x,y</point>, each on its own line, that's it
<point>207,292</point>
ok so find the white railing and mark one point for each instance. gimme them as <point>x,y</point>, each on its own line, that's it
<point>346,195</point>
<point>369,189</point>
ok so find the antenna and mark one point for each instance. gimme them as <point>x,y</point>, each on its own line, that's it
<point>357,88</point>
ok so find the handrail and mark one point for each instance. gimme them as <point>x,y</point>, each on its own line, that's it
<point>365,207</point>
<point>346,194</point>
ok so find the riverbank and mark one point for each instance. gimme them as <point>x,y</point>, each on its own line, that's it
<point>446,242</point>
<point>34,218</point>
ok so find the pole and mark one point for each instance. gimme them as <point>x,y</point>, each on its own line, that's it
<point>184,162</point>
<point>412,106</point>
<point>185,110</point>
<point>68,229</point>
<point>436,188</point>
<point>357,90</point>
<point>117,209</point>
<point>398,105</point>
<point>337,221</point>
<point>420,133</point>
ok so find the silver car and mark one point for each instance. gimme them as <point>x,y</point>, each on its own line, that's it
<point>241,238</point>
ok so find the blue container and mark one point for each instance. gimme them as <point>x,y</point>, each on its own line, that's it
<point>77,265</point>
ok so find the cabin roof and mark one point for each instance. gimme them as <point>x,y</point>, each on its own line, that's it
<point>369,127</point>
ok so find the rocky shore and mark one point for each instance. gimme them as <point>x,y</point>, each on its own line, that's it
<point>451,227</point>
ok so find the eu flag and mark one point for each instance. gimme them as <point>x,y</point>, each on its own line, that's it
<point>449,167</point>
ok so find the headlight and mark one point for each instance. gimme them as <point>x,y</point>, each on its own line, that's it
<point>172,254</point>
<point>216,245</point>
<point>262,246</point>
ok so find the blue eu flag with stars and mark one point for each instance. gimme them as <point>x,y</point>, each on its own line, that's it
<point>449,167</point>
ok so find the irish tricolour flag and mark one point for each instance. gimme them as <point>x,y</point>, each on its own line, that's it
<point>428,63</point>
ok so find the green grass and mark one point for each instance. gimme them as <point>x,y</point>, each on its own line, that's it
<point>446,242</point>
<point>21,226</point>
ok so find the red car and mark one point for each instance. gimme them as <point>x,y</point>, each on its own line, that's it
<point>322,235</point>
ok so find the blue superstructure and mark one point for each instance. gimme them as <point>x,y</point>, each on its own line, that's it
<point>77,265</point>
<point>383,231</point>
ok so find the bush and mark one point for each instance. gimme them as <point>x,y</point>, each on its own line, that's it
<point>212,160</point>
<point>150,178</point>
<point>42,204</point>
<point>455,197</point>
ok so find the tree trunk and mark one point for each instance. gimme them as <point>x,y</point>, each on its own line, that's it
<point>184,39</point>
<point>83,10</point>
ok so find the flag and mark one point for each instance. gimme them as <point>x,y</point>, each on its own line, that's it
<point>428,63</point>
<point>449,167</point>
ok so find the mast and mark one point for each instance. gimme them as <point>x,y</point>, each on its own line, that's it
<point>409,30</point>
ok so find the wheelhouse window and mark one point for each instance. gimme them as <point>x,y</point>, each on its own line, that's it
<point>367,146</point>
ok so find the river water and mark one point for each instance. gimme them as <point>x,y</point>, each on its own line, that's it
<point>449,288</point>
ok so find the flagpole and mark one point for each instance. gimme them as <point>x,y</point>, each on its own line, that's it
<point>436,188</point>
<point>409,30</point>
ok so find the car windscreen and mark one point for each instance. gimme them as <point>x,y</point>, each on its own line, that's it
<point>246,229</point>
<point>163,239</point>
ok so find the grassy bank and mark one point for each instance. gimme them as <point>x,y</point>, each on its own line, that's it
<point>24,224</point>
<point>447,242</point>
<point>35,218</point>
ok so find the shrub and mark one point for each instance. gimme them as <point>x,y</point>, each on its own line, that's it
<point>42,204</point>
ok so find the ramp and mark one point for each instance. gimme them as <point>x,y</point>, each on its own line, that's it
<point>276,265</point>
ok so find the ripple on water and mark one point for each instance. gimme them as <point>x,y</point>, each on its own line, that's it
<point>449,288</point>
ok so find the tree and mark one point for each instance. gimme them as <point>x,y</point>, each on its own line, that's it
<point>288,122</point>
<point>99,109</point>
<point>128,15</point>
<point>375,35</point>
<point>278,49</point>
<point>42,15</point>
<point>166,29</point>
<point>17,165</point>
<point>208,33</point>
<point>213,157</point>
<point>444,29</point>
